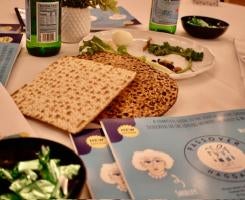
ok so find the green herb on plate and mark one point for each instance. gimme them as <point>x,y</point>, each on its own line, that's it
<point>166,49</point>
<point>96,45</point>
<point>122,49</point>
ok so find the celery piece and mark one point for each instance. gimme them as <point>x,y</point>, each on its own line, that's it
<point>9,196</point>
<point>42,178</point>
<point>200,22</point>
<point>69,170</point>
<point>63,182</point>
<point>31,175</point>
<point>19,184</point>
<point>41,189</point>
<point>28,165</point>
<point>6,174</point>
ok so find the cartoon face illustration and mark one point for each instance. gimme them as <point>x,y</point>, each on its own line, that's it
<point>155,162</point>
<point>110,173</point>
<point>155,165</point>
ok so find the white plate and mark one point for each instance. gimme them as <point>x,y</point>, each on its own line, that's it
<point>139,41</point>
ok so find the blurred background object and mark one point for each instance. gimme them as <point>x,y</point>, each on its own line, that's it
<point>207,2</point>
<point>216,2</point>
<point>240,2</point>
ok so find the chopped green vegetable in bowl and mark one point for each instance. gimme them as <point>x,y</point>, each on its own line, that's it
<point>204,27</point>
<point>34,168</point>
<point>200,22</point>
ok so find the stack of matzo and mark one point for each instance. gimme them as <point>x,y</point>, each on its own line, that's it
<point>151,93</point>
<point>71,92</point>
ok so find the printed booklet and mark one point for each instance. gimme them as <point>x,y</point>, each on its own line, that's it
<point>103,176</point>
<point>191,157</point>
<point>10,46</point>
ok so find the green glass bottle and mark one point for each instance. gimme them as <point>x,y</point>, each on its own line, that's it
<point>164,15</point>
<point>43,27</point>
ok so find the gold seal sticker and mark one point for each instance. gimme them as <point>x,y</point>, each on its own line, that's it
<point>97,141</point>
<point>6,39</point>
<point>128,131</point>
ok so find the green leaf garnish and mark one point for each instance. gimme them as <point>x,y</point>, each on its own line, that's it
<point>166,49</point>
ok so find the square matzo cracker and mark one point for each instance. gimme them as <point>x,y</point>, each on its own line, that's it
<point>71,92</point>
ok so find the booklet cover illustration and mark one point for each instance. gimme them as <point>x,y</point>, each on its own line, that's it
<point>104,178</point>
<point>191,157</point>
<point>101,20</point>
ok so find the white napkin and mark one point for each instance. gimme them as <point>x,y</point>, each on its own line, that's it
<point>240,51</point>
<point>12,121</point>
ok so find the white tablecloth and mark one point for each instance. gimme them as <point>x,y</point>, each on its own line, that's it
<point>218,89</point>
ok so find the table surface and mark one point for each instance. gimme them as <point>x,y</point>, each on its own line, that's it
<point>218,89</point>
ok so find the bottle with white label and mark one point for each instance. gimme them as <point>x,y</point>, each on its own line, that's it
<point>164,15</point>
<point>43,27</point>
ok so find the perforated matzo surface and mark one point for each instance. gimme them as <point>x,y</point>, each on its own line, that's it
<point>71,92</point>
<point>151,93</point>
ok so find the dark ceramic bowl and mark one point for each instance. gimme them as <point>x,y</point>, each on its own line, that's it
<point>20,149</point>
<point>205,32</point>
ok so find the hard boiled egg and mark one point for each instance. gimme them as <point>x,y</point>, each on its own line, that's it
<point>121,37</point>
